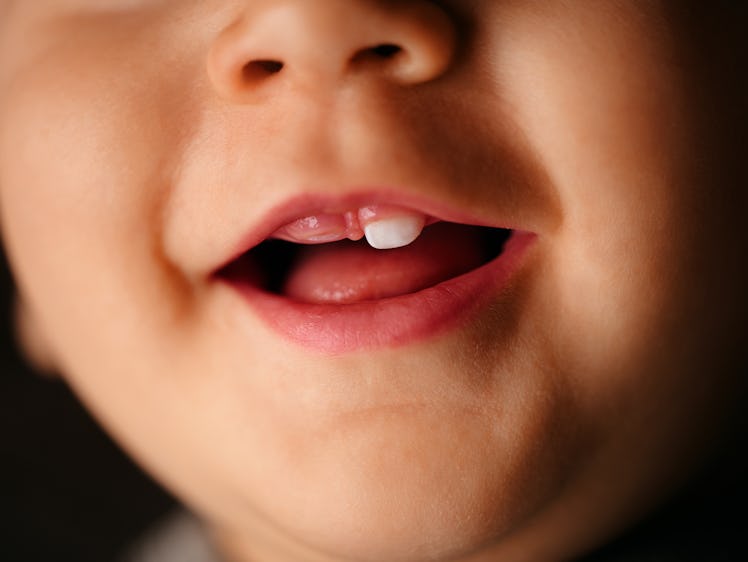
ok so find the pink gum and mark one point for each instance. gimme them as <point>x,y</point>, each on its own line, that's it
<point>331,227</point>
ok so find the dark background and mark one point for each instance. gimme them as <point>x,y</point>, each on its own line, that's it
<point>67,492</point>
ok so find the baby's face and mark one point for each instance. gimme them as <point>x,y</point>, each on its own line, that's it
<point>447,399</point>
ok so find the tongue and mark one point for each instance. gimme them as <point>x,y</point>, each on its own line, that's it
<point>348,272</point>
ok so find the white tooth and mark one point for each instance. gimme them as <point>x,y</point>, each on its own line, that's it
<point>393,232</point>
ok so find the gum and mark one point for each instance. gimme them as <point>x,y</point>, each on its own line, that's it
<point>323,227</point>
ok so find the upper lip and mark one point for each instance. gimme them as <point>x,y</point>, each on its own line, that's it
<point>305,205</point>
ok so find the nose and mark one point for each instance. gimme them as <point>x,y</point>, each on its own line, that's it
<point>322,43</point>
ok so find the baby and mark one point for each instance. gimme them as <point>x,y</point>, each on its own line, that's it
<point>383,280</point>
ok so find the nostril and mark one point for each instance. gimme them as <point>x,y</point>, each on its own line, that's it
<point>298,43</point>
<point>376,55</point>
<point>386,51</point>
<point>258,70</point>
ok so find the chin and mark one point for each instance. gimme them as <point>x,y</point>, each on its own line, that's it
<point>409,484</point>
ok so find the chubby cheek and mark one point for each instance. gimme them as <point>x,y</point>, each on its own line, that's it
<point>631,261</point>
<point>82,177</point>
<point>84,172</point>
<point>80,201</point>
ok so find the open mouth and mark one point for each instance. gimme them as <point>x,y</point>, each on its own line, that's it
<point>338,276</point>
<point>348,272</point>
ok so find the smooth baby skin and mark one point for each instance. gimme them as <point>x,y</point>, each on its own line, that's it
<point>137,147</point>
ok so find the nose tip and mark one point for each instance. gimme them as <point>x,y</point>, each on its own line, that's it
<point>327,41</point>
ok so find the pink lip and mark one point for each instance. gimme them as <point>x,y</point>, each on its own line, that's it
<point>389,322</point>
<point>307,204</point>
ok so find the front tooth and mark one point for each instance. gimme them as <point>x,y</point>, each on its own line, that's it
<point>393,232</point>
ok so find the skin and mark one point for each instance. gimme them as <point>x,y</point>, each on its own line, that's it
<point>132,153</point>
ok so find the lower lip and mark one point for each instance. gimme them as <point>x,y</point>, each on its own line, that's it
<point>390,322</point>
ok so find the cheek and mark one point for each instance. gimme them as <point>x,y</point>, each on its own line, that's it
<point>83,176</point>
<point>91,132</point>
<point>614,145</point>
<point>637,281</point>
